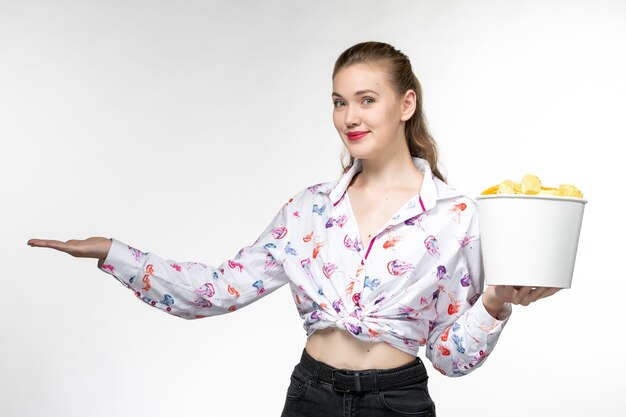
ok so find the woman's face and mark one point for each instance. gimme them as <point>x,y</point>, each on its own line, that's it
<point>368,114</point>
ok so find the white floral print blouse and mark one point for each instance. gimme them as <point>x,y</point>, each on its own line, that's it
<point>418,283</point>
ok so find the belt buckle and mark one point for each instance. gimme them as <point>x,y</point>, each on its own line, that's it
<point>332,378</point>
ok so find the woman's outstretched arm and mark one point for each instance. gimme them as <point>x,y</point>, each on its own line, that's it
<point>189,289</point>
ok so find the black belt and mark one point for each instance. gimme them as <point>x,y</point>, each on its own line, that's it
<point>345,380</point>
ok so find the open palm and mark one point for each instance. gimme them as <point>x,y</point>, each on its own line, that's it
<point>93,247</point>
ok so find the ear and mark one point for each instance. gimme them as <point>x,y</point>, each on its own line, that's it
<point>408,105</point>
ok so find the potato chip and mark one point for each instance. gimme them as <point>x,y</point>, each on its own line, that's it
<point>531,185</point>
<point>567,190</point>
<point>491,190</point>
<point>547,192</point>
<point>506,188</point>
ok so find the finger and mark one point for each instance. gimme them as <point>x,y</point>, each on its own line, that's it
<point>504,292</point>
<point>49,243</point>
<point>549,292</point>
<point>536,294</point>
<point>510,289</point>
<point>527,299</point>
<point>511,292</point>
<point>521,294</point>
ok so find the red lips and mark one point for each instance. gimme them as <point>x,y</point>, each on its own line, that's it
<point>356,135</point>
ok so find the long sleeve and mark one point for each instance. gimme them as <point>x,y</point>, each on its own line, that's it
<point>464,333</point>
<point>194,290</point>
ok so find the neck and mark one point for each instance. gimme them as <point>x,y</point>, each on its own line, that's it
<point>391,171</point>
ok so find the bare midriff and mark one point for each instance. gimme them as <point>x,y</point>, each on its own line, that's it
<point>338,348</point>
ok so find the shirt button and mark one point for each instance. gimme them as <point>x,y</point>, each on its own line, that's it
<point>362,262</point>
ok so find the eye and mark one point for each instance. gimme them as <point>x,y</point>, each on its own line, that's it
<point>368,98</point>
<point>337,103</point>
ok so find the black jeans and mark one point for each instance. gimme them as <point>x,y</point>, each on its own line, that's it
<point>308,396</point>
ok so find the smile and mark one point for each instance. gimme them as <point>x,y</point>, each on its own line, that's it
<point>356,135</point>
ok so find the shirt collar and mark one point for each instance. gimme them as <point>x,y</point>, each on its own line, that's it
<point>433,189</point>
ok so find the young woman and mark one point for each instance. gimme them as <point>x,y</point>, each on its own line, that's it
<point>381,261</point>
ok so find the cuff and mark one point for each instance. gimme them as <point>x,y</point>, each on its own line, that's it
<point>481,318</point>
<point>122,261</point>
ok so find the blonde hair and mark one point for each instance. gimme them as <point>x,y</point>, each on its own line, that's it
<point>398,67</point>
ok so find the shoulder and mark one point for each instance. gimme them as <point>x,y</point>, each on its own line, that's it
<point>447,193</point>
<point>314,191</point>
<point>310,195</point>
<point>321,188</point>
<point>461,204</point>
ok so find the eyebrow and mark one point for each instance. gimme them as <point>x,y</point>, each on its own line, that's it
<point>358,93</point>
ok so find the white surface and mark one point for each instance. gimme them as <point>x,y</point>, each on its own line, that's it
<point>157,121</point>
<point>529,240</point>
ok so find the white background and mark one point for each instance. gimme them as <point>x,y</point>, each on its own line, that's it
<point>181,127</point>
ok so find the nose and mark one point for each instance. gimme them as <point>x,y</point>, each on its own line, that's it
<point>352,116</point>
